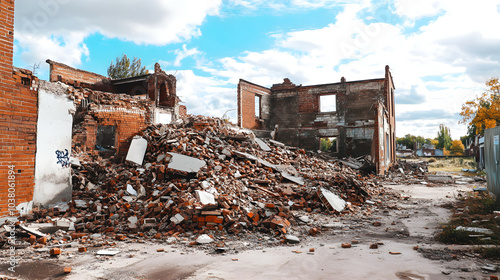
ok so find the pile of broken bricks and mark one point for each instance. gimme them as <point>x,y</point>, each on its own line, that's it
<point>203,178</point>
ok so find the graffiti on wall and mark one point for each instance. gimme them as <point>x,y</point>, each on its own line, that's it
<point>63,158</point>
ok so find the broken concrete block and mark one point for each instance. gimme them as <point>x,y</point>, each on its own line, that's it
<point>332,201</point>
<point>276,143</point>
<point>204,239</point>
<point>304,219</point>
<point>177,218</point>
<point>295,179</point>
<point>475,229</point>
<point>33,230</point>
<point>107,252</point>
<point>131,190</point>
<point>292,239</point>
<point>262,145</point>
<point>206,198</point>
<point>186,164</point>
<point>137,150</point>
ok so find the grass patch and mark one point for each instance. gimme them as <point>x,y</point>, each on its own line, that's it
<point>452,164</point>
<point>489,253</point>
<point>450,235</point>
<point>474,210</point>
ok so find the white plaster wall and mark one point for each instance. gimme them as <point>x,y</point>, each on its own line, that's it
<point>162,116</point>
<point>55,121</point>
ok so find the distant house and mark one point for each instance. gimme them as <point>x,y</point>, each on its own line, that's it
<point>402,151</point>
<point>429,150</point>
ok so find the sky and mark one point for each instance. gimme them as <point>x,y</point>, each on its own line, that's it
<point>440,52</point>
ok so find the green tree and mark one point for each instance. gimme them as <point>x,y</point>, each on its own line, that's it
<point>326,144</point>
<point>444,138</point>
<point>124,68</point>
<point>410,140</point>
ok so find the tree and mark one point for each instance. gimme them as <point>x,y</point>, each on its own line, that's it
<point>444,138</point>
<point>434,142</point>
<point>457,148</point>
<point>124,68</point>
<point>484,111</point>
<point>326,144</point>
<point>410,140</point>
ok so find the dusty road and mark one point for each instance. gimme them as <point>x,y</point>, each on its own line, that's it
<point>397,228</point>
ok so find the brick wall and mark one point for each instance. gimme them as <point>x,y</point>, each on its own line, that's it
<point>183,112</point>
<point>246,105</point>
<point>296,110</point>
<point>127,122</point>
<point>72,76</point>
<point>18,117</point>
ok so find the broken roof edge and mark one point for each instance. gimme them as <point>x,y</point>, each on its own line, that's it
<point>51,62</point>
<point>254,84</point>
<point>130,79</point>
<point>22,70</point>
<point>388,73</point>
<point>347,82</point>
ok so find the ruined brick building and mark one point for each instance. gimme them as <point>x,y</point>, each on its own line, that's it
<point>136,103</point>
<point>41,122</point>
<point>360,119</point>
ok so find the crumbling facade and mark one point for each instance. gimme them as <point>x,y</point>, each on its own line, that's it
<point>42,123</point>
<point>360,118</point>
<point>111,111</point>
<point>18,121</point>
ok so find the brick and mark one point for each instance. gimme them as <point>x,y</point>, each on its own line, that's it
<point>55,252</point>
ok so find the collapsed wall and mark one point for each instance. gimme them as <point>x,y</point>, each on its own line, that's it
<point>357,116</point>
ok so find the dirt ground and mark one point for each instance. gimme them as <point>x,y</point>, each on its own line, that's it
<point>403,230</point>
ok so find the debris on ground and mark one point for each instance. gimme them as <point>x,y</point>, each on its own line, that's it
<point>201,180</point>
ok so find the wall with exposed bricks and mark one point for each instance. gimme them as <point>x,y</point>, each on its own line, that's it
<point>128,123</point>
<point>18,118</point>
<point>360,107</point>
<point>72,76</point>
<point>247,93</point>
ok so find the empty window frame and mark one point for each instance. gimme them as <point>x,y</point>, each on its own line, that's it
<point>257,105</point>
<point>105,137</point>
<point>328,144</point>
<point>328,103</point>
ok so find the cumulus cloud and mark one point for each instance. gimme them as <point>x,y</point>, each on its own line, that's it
<point>183,53</point>
<point>281,5</point>
<point>206,95</point>
<point>64,24</point>
<point>462,52</point>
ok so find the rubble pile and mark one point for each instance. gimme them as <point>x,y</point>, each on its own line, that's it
<point>408,172</point>
<point>201,175</point>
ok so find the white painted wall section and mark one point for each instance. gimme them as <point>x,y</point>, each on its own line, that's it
<point>54,129</point>
<point>162,116</point>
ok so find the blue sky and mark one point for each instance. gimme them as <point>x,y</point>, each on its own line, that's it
<point>440,52</point>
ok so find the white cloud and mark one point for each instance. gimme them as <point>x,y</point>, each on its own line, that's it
<point>154,22</point>
<point>459,47</point>
<point>206,96</point>
<point>183,53</point>
<point>414,10</point>
<point>289,5</point>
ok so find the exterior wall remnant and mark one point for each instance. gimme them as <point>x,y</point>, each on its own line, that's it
<point>362,121</point>
<point>18,120</point>
<point>55,124</point>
